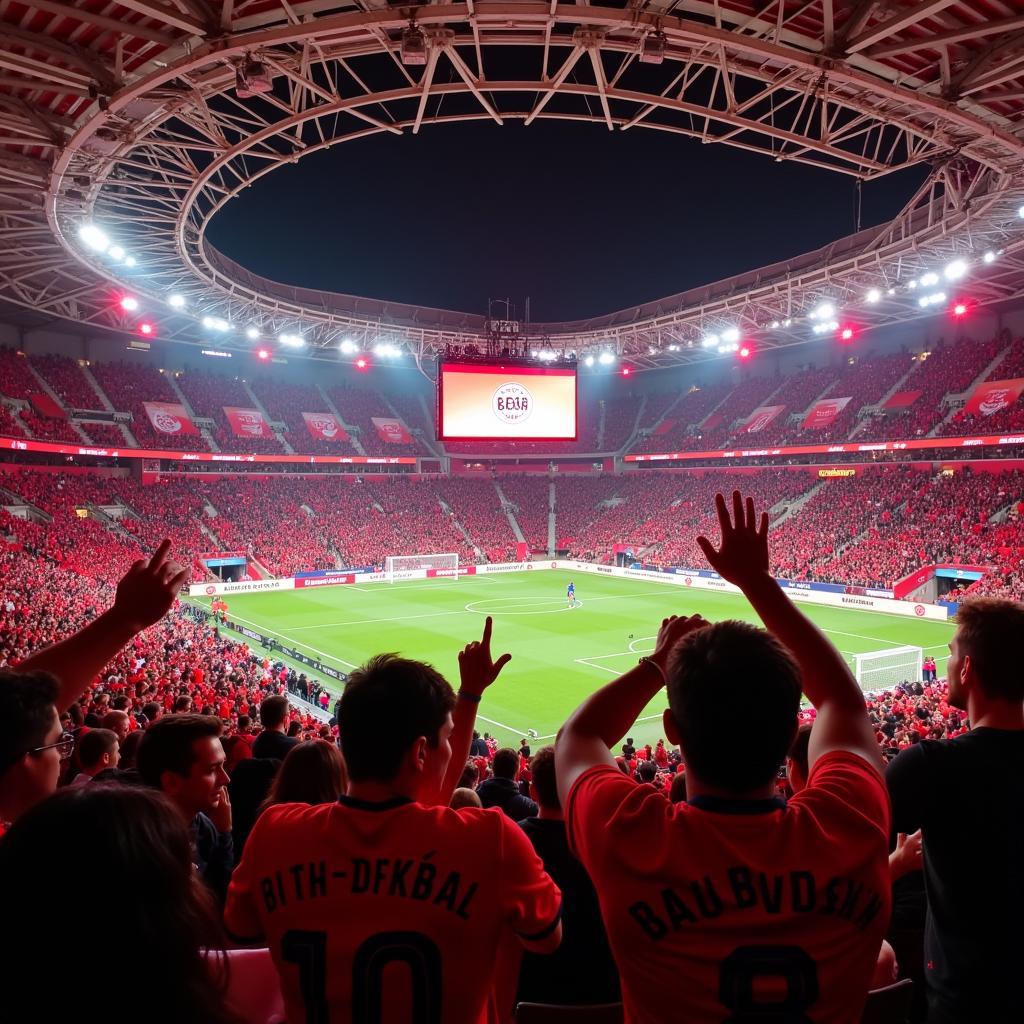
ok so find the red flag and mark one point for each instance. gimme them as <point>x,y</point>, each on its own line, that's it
<point>761,417</point>
<point>824,412</point>
<point>391,431</point>
<point>169,418</point>
<point>247,422</point>
<point>994,395</point>
<point>902,399</point>
<point>324,426</point>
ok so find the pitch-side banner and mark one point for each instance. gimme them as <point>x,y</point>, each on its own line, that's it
<point>761,417</point>
<point>247,422</point>
<point>994,395</point>
<point>324,426</point>
<point>391,431</point>
<point>825,412</point>
<point>169,418</point>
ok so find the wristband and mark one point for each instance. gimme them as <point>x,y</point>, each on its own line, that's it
<point>657,668</point>
<point>474,697</point>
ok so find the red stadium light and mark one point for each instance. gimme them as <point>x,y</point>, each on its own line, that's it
<point>146,329</point>
<point>362,364</point>
<point>626,371</point>
<point>746,351</point>
<point>847,333</point>
<point>961,307</point>
<point>263,354</point>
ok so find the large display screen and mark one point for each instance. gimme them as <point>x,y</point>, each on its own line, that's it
<point>504,402</point>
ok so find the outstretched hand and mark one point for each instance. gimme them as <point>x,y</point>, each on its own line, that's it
<point>148,589</point>
<point>476,669</point>
<point>743,553</point>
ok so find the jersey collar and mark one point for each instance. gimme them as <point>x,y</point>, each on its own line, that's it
<point>370,805</point>
<point>728,805</point>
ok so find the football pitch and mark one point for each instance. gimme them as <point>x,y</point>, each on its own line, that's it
<point>559,654</point>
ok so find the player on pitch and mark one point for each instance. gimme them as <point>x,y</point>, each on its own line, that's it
<point>736,904</point>
<point>571,593</point>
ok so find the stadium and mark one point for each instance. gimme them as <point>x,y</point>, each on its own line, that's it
<point>261,422</point>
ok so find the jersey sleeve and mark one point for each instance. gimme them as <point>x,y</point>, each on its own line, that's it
<point>241,911</point>
<point>531,901</point>
<point>849,796</point>
<point>907,779</point>
<point>595,800</point>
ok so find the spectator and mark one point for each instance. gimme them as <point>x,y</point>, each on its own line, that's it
<point>129,750</point>
<point>478,748</point>
<point>312,773</point>
<point>581,971</point>
<point>423,884</point>
<point>118,723</point>
<point>98,750</point>
<point>463,797</point>
<point>707,901</point>
<point>967,796</point>
<point>133,836</point>
<point>182,756</point>
<point>501,790</point>
<point>274,741</point>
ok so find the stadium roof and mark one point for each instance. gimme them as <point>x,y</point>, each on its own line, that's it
<point>127,116</point>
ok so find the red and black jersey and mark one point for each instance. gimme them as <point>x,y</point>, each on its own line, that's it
<point>388,912</point>
<point>720,909</point>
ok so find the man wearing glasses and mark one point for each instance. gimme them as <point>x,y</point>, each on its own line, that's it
<point>33,696</point>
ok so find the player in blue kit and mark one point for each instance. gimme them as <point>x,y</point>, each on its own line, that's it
<point>571,594</point>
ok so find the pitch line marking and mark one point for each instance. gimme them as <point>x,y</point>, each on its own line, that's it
<point>285,636</point>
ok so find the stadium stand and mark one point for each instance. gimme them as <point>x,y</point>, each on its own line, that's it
<point>65,376</point>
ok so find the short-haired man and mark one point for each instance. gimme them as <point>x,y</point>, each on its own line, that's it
<point>98,750</point>
<point>182,755</point>
<point>736,904</point>
<point>381,906</point>
<point>274,741</point>
<point>118,723</point>
<point>502,790</point>
<point>581,971</point>
<point>33,696</point>
<point>967,796</point>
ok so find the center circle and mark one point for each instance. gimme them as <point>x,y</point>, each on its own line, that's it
<point>542,603</point>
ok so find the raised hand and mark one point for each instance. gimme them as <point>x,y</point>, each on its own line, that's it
<point>672,630</point>
<point>476,669</point>
<point>743,553</point>
<point>148,589</point>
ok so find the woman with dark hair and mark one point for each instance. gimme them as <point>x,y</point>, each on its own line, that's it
<point>312,773</point>
<point>138,839</point>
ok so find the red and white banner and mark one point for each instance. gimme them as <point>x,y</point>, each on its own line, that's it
<point>993,396</point>
<point>902,399</point>
<point>324,426</point>
<point>761,417</point>
<point>664,427</point>
<point>391,431</point>
<point>247,422</point>
<point>169,418</point>
<point>824,412</point>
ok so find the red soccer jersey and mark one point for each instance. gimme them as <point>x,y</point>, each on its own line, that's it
<point>721,910</point>
<point>388,912</point>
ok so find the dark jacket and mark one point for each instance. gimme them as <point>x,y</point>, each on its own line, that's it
<point>505,794</point>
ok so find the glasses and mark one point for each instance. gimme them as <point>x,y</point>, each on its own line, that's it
<point>64,746</point>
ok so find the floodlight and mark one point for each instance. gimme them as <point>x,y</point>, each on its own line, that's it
<point>955,270</point>
<point>115,252</point>
<point>348,346</point>
<point>129,261</point>
<point>292,340</point>
<point>129,303</point>
<point>652,48</point>
<point>710,341</point>
<point>413,49</point>
<point>215,323</point>
<point>589,361</point>
<point>606,358</point>
<point>874,295</point>
<point>731,335</point>
<point>989,257</point>
<point>176,301</point>
<point>252,78</point>
<point>252,333</point>
<point>93,237</point>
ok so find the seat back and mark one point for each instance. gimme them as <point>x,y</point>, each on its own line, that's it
<point>547,1013</point>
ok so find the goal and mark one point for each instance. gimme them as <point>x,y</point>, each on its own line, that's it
<point>396,565</point>
<point>882,670</point>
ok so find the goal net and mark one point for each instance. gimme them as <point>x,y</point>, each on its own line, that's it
<point>882,670</point>
<point>395,566</point>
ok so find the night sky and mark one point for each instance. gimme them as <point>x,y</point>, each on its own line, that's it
<point>582,220</point>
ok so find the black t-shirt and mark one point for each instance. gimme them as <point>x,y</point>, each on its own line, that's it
<point>968,796</point>
<point>581,971</point>
<point>271,743</point>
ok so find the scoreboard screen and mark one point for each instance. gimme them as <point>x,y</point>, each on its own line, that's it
<point>505,402</point>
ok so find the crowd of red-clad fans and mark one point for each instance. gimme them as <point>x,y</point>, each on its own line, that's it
<point>283,851</point>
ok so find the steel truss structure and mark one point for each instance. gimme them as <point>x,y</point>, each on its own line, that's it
<point>126,115</point>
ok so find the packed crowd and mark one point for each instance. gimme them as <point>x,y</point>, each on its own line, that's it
<point>867,530</point>
<point>746,860</point>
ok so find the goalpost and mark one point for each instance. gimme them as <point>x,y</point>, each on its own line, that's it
<point>882,670</point>
<point>445,564</point>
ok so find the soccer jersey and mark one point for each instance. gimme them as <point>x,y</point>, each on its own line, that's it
<point>722,909</point>
<point>388,912</point>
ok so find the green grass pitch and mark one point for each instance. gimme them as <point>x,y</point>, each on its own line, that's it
<point>559,655</point>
